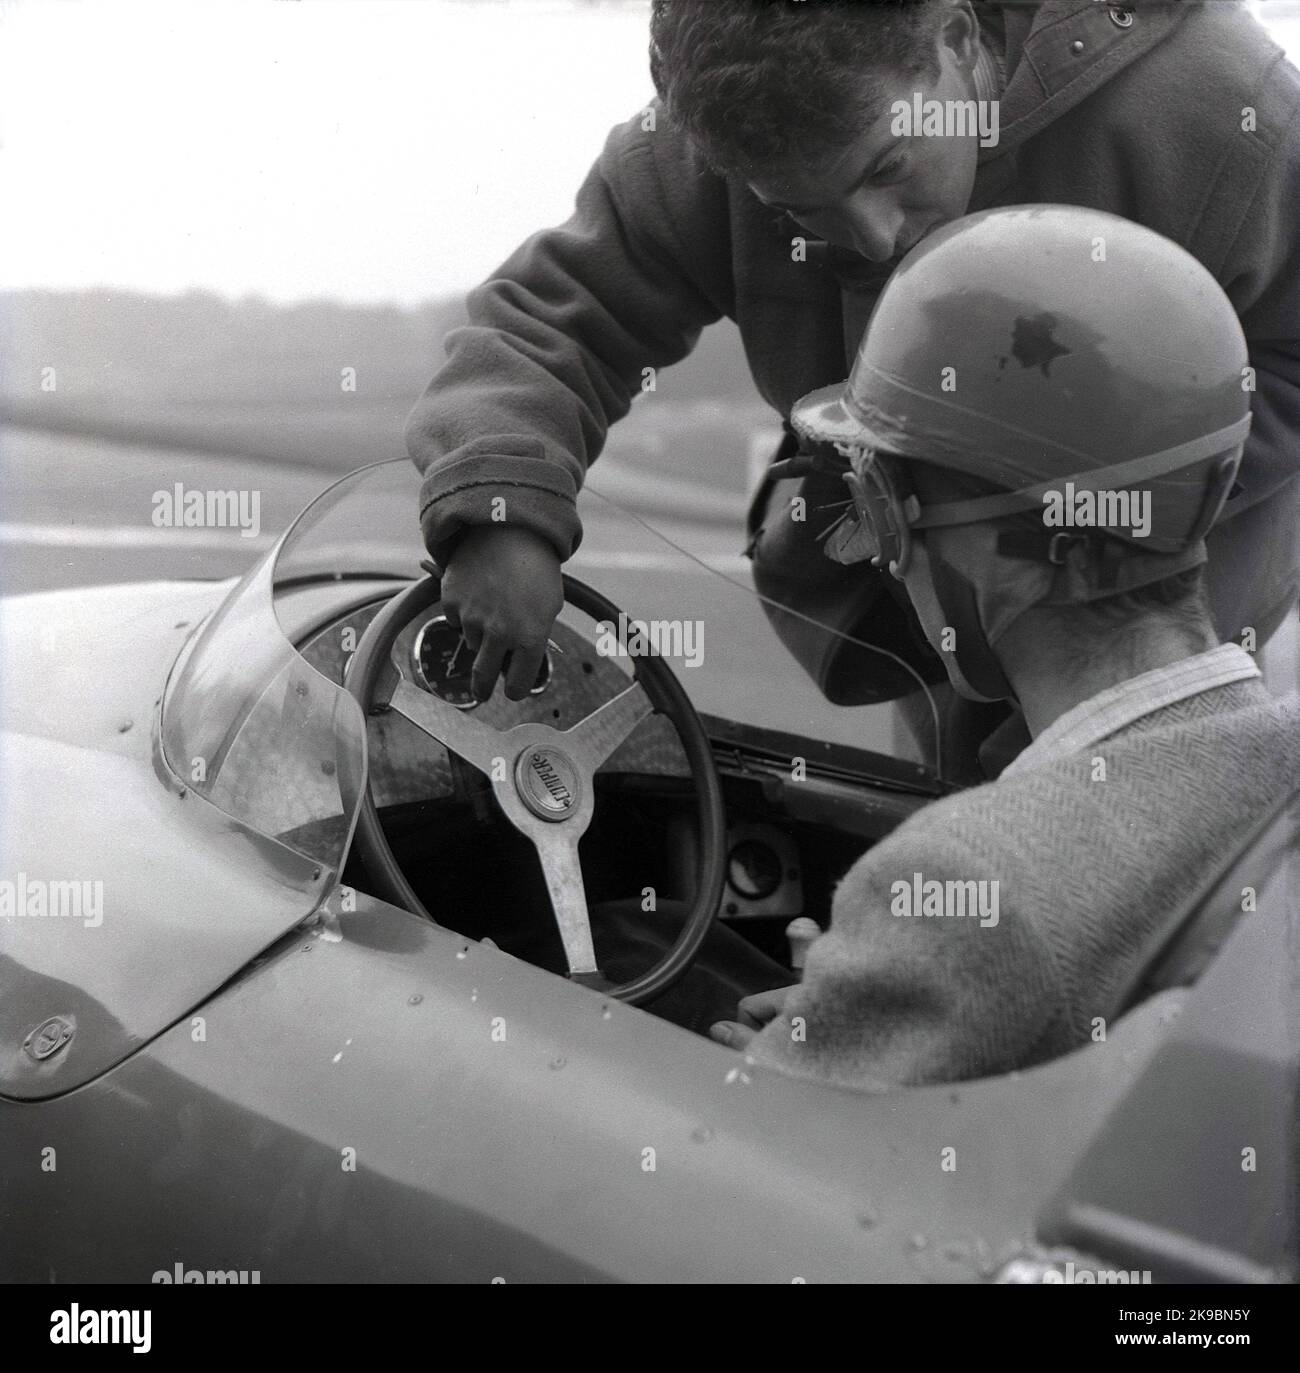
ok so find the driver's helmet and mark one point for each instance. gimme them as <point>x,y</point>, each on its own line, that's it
<point>1049,351</point>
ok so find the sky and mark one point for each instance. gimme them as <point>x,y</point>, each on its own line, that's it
<point>360,150</point>
<point>363,150</point>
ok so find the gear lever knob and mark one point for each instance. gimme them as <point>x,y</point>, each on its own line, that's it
<point>801,932</point>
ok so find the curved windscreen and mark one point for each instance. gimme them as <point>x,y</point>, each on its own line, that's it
<point>247,722</point>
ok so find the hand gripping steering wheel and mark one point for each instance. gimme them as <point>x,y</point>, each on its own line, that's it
<point>542,779</point>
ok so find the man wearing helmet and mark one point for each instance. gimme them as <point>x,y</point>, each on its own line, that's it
<point>775,182</point>
<point>1000,926</point>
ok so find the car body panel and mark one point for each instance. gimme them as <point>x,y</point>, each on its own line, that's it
<point>521,1154</point>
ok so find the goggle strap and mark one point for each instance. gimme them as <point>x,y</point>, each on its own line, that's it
<point>1117,476</point>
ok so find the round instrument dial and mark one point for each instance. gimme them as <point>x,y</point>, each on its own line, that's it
<point>753,869</point>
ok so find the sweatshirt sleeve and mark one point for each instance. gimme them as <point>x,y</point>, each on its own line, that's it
<point>558,338</point>
<point>892,997</point>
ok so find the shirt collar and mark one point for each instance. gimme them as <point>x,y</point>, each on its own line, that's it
<point>990,69</point>
<point>1114,709</point>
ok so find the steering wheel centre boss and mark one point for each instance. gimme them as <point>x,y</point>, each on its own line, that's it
<point>549,782</point>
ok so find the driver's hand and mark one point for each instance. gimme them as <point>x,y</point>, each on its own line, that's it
<point>503,587</point>
<point>754,1011</point>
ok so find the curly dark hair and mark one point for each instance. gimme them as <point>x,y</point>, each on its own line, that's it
<point>751,81</point>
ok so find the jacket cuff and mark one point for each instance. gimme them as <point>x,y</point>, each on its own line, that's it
<point>502,490</point>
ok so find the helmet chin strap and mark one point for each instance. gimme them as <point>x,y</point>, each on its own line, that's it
<point>980,613</point>
<point>945,600</point>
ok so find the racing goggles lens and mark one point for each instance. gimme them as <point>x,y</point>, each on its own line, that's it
<point>878,528</point>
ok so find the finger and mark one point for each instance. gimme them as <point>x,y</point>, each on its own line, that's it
<point>732,1035</point>
<point>760,1007</point>
<point>525,663</point>
<point>487,666</point>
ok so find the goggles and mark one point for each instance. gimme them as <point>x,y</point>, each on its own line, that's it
<point>879,527</point>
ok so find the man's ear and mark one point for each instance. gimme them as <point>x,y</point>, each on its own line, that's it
<point>959,33</point>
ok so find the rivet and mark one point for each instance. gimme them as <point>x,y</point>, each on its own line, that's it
<point>1077,45</point>
<point>1120,17</point>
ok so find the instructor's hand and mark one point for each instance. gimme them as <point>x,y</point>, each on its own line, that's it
<point>503,586</point>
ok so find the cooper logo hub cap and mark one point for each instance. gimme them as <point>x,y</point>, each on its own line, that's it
<point>548,784</point>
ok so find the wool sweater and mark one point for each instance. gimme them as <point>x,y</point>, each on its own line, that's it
<point>1090,873</point>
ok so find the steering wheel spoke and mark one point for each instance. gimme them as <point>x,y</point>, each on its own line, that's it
<point>557,847</point>
<point>476,743</point>
<point>600,733</point>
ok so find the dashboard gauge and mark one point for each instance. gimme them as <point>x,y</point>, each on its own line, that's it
<point>753,869</point>
<point>443,663</point>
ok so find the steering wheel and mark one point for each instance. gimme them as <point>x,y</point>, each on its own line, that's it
<point>542,778</point>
